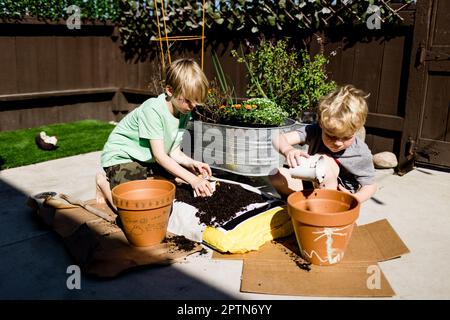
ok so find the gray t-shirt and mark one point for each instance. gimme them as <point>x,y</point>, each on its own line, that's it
<point>355,163</point>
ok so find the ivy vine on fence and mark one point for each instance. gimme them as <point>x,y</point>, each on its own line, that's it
<point>242,19</point>
<point>237,19</point>
<point>54,10</point>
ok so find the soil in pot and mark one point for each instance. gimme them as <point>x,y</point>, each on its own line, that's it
<point>226,201</point>
<point>323,222</point>
<point>144,207</point>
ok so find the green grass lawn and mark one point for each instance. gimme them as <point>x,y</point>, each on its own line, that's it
<point>18,148</point>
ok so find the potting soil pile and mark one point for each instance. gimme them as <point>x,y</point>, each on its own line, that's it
<point>237,218</point>
<point>100,247</point>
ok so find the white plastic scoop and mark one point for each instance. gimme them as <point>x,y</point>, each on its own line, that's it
<point>310,169</point>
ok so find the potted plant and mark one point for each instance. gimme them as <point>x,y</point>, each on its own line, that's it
<point>293,80</point>
<point>236,135</point>
<point>253,112</point>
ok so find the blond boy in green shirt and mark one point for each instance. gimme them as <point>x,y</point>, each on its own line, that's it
<point>147,141</point>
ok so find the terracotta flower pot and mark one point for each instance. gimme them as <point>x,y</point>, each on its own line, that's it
<point>323,221</point>
<point>144,208</point>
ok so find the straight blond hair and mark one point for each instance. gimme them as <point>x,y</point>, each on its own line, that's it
<point>187,79</point>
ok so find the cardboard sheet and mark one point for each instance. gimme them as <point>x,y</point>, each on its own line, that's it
<point>272,270</point>
<point>284,277</point>
<point>101,248</point>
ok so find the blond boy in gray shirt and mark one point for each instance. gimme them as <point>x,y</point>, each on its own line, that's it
<point>348,160</point>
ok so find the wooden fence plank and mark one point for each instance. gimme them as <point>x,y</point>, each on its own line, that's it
<point>441,35</point>
<point>104,62</point>
<point>348,64</point>
<point>47,68</point>
<point>55,93</point>
<point>380,143</point>
<point>8,78</point>
<point>132,74</point>
<point>10,120</point>
<point>120,67</point>
<point>27,66</point>
<point>334,53</point>
<point>367,69</point>
<point>8,75</point>
<point>98,75</point>
<point>436,112</point>
<point>391,76</point>
<point>384,121</point>
<point>84,61</point>
<point>68,73</point>
<point>143,75</point>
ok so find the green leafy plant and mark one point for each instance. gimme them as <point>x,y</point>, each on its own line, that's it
<point>221,107</point>
<point>312,82</point>
<point>57,9</point>
<point>256,111</point>
<point>292,80</point>
<point>220,93</point>
<point>226,89</point>
<point>210,111</point>
<point>243,19</point>
<point>248,112</point>
<point>223,18</point>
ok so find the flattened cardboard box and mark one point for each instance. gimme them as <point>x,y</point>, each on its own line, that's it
<point>100,247</point>
<point>271,270</point>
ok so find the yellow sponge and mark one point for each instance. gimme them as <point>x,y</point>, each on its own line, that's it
<point>251,233</point>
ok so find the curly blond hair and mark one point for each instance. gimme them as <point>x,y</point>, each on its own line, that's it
<point>344,111</point>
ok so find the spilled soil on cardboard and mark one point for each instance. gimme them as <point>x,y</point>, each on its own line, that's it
<point>181,243</point>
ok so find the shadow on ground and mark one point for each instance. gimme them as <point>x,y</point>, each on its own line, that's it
<point>35,261</point>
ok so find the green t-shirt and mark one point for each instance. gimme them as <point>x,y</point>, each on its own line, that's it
<point>129,141</point>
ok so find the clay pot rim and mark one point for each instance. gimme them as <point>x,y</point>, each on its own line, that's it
<point>149,183</point>
<point>324,219</point>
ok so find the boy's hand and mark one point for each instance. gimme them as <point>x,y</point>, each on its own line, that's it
<point>201,168</point>
<point>202,187</point>
<point>293,157</point>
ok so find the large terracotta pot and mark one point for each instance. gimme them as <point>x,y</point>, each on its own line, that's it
<point>323,221</point>
<point>144,208</point>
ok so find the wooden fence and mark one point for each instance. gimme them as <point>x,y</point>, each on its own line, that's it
<point>50,74</point>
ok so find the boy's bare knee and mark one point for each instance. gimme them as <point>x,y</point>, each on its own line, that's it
<point>283,183</point>
<point>331,174</point>
<point>331,167</point>
<point>98,177</point>
<point>278,173</point>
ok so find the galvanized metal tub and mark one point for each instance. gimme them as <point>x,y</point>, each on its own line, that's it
<point>241,150</point>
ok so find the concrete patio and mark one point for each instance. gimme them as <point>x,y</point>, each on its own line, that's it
<point>34,260</point>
